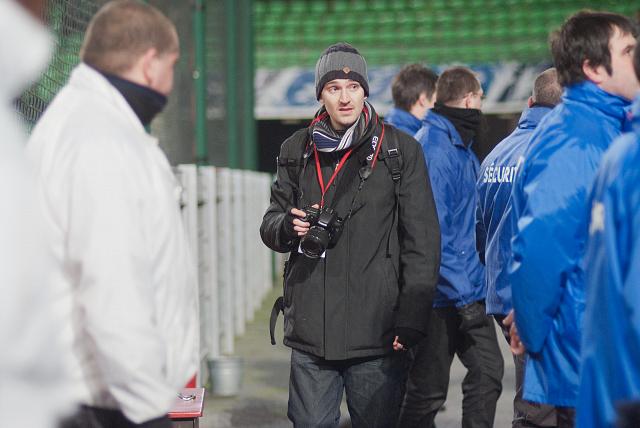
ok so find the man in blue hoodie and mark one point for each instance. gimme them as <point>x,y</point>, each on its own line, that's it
<point>610,373</point>
<point>494,230</point>
<point>458,324</point>
<point>592,53</point>
<point>414,92</point>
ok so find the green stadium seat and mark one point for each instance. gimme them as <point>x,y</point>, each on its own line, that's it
<point>318,7</point>
<point>400,31</point>
<point>278,7</point>
<point>378,5</point>
<point>359,6</point>
<point>259,8</point>
<point>298,7</point>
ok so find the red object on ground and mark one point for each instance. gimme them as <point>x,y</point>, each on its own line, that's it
<point>188,409</point>
<point>191,383</point>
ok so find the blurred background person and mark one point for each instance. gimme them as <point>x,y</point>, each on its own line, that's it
<point>112,208</point>
<point>414,93</point>
<point>610,372</point>
<point>592,54</point>
<point>494,229</point>
<point>35,388</point>
<point>458,324</point>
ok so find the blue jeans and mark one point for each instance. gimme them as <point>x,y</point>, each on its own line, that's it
<point>374,387</point>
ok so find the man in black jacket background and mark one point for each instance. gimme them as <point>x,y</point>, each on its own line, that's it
<point>355,299</point>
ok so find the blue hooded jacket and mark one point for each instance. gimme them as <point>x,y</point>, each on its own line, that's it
<point>453,171</point>
<point>610,371</point>
<point>550,208</point>
<point>493,226</point>
<point>403,120</point>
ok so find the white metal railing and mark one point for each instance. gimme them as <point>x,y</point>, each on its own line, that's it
<point>222,210</point>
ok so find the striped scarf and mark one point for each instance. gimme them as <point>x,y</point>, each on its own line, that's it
<point>327,139</point>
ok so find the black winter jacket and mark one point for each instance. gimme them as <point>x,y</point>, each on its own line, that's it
<point>349,303</point>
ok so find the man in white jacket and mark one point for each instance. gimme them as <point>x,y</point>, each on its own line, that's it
<point>112,208</point>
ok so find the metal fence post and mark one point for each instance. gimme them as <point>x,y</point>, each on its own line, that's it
<point>208,269</point>
<point>225,276</point>
<point>188,177</point>
<point>238,228</point>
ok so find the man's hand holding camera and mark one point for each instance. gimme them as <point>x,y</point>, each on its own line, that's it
<point>295,224</point>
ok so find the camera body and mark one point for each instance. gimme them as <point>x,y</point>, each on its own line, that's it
<point>325,230</point>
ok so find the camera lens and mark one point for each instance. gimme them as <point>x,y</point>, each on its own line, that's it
<point>315,242</point>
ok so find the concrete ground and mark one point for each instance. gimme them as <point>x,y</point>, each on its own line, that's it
<point>262,401</point>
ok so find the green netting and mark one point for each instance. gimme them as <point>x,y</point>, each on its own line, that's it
<point>176,126</point>
<point>68,20</point>
<point>398,31</point>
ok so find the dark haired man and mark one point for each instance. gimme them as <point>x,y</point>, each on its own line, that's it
<point>351,312</point>
<point>459,324</point>
<point>592,53</point>
<point>109,197</point>
<point>414,93</point>
<point>494,229</point>
<point>610,355</point>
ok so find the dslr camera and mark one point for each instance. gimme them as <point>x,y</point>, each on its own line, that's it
<point>325,230</point>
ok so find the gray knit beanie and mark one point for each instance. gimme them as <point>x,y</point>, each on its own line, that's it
<point>341,61</point>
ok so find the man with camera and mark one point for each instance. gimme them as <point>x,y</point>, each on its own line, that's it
<point>352,203</point>
<point>459,324</point>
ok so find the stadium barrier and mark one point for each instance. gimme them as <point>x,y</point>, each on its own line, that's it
<point>222,210</point>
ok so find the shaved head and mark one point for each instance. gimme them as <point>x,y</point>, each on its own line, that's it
<point>122,31</point>
<point>547,89</point>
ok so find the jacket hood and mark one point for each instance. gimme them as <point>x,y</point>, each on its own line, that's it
<point>532,116</point>
<point>436,120</point>
<point>589,93</point>
<point>26,47</point>
<point>403,120</point>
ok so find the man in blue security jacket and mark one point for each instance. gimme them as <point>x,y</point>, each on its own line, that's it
<point>414,92</point>
<point>458,324</point>
<point>494,230</point>
<point>592,54</point>
<point>610,373</point>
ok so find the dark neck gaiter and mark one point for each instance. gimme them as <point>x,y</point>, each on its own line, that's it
<point>465,120</point>
<point>144,101</point>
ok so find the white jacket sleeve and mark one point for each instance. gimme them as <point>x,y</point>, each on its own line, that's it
<point>108,251</point>
<point>34,335</point>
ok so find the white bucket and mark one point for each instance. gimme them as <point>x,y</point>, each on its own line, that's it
<point>226,376</point>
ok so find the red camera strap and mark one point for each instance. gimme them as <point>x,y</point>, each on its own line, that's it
<point>324,189</point>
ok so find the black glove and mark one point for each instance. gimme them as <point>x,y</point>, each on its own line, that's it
<point>473,315</point>
<point>287,226</point>
<point>408,337</point>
